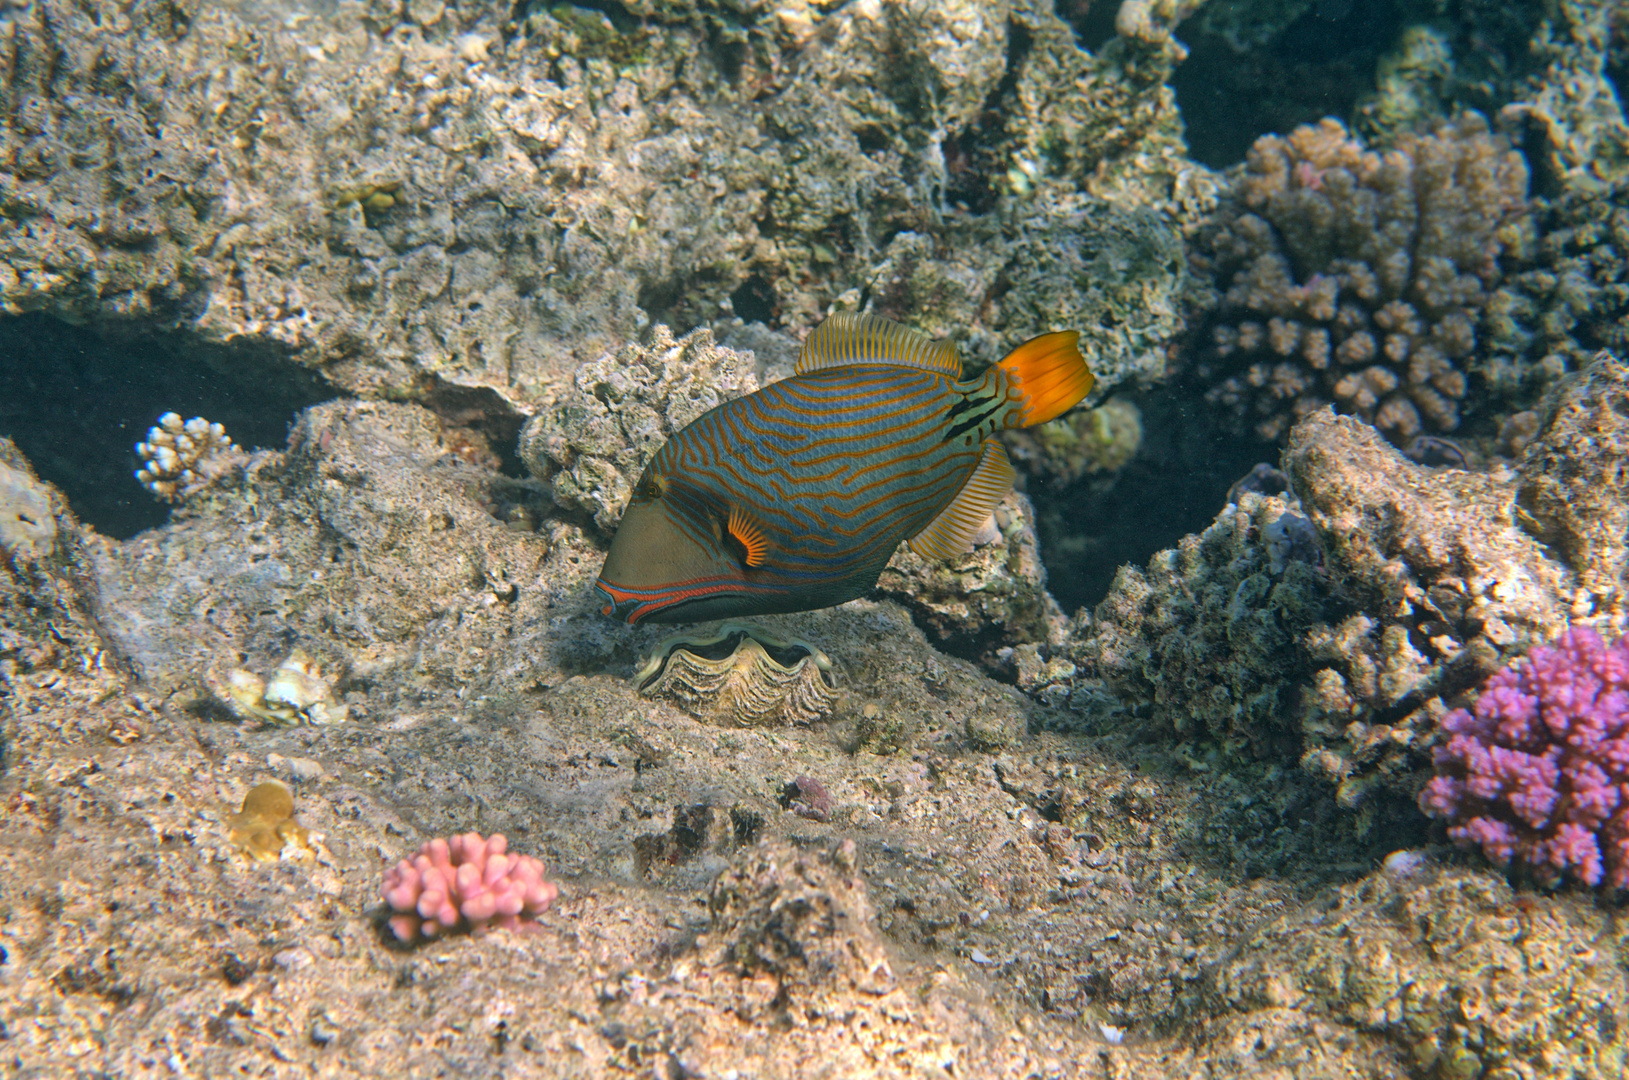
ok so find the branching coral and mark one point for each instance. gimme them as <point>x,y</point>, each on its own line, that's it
<point>184,458</point>
<point>1359,278</point>
<point>466,883</point>
<point>1536,773</point>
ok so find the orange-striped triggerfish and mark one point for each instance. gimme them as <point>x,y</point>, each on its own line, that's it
<point>795,497</point>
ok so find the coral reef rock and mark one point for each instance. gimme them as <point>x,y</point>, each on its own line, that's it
<point>1574,493</point>
<point>434,192</point>
<point>980,898</point>
<point>1330,627</point>
<point>1080,443</point>
<point>28,525</point>
<point>1349,276</point>
<point>803,920</point>
<point>990,598</point>
<point>1465,976</point>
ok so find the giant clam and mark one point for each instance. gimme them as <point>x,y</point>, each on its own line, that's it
<point>741,677</point>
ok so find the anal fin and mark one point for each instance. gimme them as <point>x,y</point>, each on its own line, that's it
<point>951,533</point>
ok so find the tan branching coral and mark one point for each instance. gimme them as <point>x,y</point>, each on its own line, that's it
<point>1357,278</point>
<point>184,458</point>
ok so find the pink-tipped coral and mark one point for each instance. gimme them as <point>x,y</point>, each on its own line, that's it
<point>465,883</point>
<point>1538,772</point>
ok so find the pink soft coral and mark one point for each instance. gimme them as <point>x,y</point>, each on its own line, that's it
<point>466,883</point>
<point>1537,772</point>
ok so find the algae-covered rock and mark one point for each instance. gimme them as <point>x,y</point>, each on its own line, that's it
<point>1332,624</point>
<point>1465,975</point>
<point>596,439</point>
<point>1574,492</point>
<point>990,598</point>
<point>406,194</point>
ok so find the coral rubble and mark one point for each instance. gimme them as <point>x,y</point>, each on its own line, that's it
<point>803,920</point>
<point>264,828</point>
<point>297,692</point>
<point>1350,276</point>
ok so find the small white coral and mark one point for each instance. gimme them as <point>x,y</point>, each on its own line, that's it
<point>184,458</point>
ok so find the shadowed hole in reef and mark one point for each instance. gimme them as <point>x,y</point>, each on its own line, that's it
<point>1176,485</point>
<point>77,399</point>
<point>1318,65</point>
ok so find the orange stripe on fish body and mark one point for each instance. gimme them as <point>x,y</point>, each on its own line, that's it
<point>795,497</point>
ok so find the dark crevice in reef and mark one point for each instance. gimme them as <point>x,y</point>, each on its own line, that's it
<point>77,399</point>
<point>1093,21</point>
<point>478,424</point>
<point>978,153</point>
<point>755,301</point>
<point>1317,66</point>
<point>1245,80</point>
<point>1176,485</point>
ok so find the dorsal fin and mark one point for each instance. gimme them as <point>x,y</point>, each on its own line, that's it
<point>951,533</point>
<point>848,338</point>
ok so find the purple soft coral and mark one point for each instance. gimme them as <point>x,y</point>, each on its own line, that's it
<point>1538,772</point>
<point>465,883</point>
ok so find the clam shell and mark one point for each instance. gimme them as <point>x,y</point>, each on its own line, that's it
<point>741,677</point>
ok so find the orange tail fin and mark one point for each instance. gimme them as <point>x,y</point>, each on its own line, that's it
<point>1051,375</point>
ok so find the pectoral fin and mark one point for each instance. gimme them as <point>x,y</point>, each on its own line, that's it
<point>747,532</point>
<point>951,533</point>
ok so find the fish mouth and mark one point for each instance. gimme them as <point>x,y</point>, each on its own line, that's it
<point>631,605</point>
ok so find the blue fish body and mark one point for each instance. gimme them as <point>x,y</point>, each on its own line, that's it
<point>795,497</point>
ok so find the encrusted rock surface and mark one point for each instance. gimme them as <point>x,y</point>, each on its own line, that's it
<point>1334,626</point>
<point>1574,493</point>
<point>1467,976</point>
<point>975,894</point>
<point>594,441</point>
<point>402,194</point>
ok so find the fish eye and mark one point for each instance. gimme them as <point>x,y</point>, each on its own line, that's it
<point>648,489</point>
